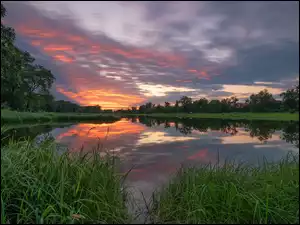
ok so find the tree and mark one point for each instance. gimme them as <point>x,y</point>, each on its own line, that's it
<point>229,104</point>
<point>186,103</point>
<point>142,109</point>
<point>214,106</point>
<point>290,98</point>
<point>200,105</point>
<point>262,102</point>
<point>133,109</point>
<point>22,84</point>
<point>36,80</point>
<point>11,63</point>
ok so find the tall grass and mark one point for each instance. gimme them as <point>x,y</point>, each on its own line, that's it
<point>232,194</point>
<point>40,186</point>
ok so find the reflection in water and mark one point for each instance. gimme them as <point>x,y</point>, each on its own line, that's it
<point>243,137</point>
<point>102,130</point>
<point>158,147</point>
<point>108,135</point>
<point>262,130</point>
<point>160,137</point>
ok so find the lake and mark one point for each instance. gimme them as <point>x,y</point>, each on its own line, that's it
<point>155,148</point>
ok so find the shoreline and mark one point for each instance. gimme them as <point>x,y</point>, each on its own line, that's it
<point>8,116</point>
<point>231,116</point>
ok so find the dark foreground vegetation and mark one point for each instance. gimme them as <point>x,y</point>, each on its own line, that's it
<point>232,195</point>
<point>40,186</point>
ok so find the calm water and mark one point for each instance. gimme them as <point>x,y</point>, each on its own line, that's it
<point>157,147</point>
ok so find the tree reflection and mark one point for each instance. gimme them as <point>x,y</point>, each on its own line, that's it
<point>31,131</point>
<point>291,133</point>
<point>262,130</point>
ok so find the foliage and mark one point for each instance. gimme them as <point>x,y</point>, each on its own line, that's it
<point>22,83</point>
<point>260,102</point>
<point>291,99</point>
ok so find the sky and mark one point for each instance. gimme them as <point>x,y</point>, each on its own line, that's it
<point>123,54</point>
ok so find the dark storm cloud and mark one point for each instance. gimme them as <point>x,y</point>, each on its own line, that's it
<point>264,63</point>
<point>131,49</point>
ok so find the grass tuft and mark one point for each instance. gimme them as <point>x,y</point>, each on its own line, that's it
<point>232,194</point>
<point>40,186</point>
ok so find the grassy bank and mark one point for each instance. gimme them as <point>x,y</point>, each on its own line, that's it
<point>38,186</point>
<point>233,116</point>
<point>8,116</point>
<point>232,195</point>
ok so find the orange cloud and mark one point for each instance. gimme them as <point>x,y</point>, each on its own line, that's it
<point>67,45</point>
<point>160,58</point>
<point>53,48</point>
<point>105,98</point>
<point>63,58</point>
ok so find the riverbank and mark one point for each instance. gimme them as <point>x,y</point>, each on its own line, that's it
<point>232,195</point>
<point>8,116</point>
<point>40,186</point>
<point>233,116</point>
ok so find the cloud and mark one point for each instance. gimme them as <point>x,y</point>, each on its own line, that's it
<point>119,54</point>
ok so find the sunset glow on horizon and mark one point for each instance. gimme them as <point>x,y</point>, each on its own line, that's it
<point>121,55</point>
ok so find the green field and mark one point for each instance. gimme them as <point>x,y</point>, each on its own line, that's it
<point>232,195</point>
<point>246,116</point>
<point>8,116</point>
<point>39,186</point>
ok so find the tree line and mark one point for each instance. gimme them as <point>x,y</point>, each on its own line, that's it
<point>260,102</point>
<point>25,85</point>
